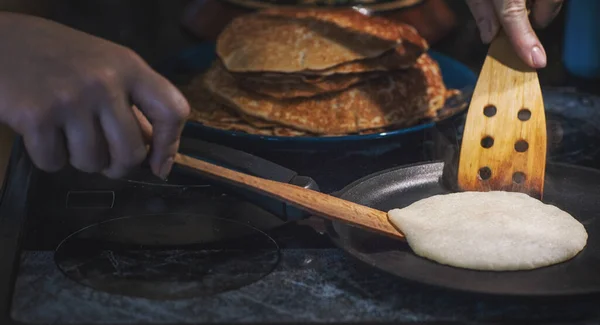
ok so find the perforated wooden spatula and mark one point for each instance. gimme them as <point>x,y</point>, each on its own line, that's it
<point>504,141</point>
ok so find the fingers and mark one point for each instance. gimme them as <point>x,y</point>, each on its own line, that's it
<point>123,137</point>
<point>515,22</point>
<point>145,126</point>
<point>46,148</point>
<point>485,17</point>
<point>544,11</point>
<point>88,150</point>
<point>512,16</point>
<point>166,109</point>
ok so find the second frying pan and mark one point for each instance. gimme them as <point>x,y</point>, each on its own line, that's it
<point>574,189</point>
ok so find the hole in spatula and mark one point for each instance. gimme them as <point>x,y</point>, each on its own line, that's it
<point>524,114</point>
<point>489,110</point>
<point>485,173</point>
<point>521,146</point>
<point>518,177</point>
<point>487,142</point>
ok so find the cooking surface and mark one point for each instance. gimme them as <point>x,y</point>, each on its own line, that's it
<point>311,281</point>
<point>102,275</point>
<point>311,285</point>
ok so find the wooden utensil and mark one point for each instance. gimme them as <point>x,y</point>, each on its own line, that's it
<point>504,141</point>
<point>312,201</point>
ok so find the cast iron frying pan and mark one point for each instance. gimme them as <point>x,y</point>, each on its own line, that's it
<point>573,189</point>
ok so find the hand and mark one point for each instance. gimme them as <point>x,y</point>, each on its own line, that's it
<point>72,95</point>
<point>512,16</point>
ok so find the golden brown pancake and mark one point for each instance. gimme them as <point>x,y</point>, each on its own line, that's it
<point>291,113</point>
<point>388,61</point>
<point>209,112</point>
<point>315,41</point>
<point>396,99</point>
<point>354,21</point>
<point>288,132</point>
<point>216,115</point>
<point>290,85</point>
<point>294,86</point>
<point>206,108</point>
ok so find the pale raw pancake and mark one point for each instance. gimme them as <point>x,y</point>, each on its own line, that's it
<point>398,99</point>
<point>259,42</point>
<point>492,231</point>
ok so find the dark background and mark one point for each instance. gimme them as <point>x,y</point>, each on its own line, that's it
<point>153,29</point>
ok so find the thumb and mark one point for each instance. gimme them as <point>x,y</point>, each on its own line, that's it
<point>515,22</point>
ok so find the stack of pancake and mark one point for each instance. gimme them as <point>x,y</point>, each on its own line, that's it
<point>314,72</point>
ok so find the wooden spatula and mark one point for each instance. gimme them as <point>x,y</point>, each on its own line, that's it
<point>504,142</point>
<point>320,204</point>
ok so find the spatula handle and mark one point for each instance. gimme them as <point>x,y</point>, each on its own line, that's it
<point>315,202</point>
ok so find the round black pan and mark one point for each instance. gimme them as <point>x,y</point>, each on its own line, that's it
<point>571,188</point>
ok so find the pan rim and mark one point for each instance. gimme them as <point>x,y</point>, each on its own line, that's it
<point>353,184</point>
<point>426,281</point>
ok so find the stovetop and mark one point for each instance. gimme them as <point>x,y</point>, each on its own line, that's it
<point>139,250</point>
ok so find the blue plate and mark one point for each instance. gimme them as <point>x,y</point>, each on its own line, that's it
<point>199,58</point>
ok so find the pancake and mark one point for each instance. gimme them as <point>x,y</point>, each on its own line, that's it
<point>388,61</point>
<point>399,98</point>
<point>308,84</point>
<point>304,115</point>
<point>297,85</point>
<point>354,21</point>
<point>490,231</point>
<point>211,113</point>
<point>316,40</point>
<point>206,110</point>
<point>205,107</point>
<point>216,115</point>
<point>294,86</point>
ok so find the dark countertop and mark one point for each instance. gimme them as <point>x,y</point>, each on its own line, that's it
<point>297,291</point>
